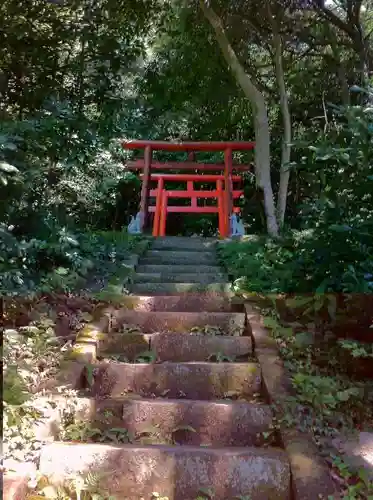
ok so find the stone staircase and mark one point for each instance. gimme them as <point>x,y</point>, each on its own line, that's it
<point>199,427</point>
<point>180,265</point>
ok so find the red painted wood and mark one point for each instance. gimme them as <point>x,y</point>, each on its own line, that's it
<point>194,194</point>
<point>227,189</point>
<point>189,146</point>
<point>139,165</point>
<point>191,210</point>
<point>190,190</point>
<point>158,206</point>
<point>225,198</point>
<point>219,188</point>
<point>192,177</point>
<point>163,218</point>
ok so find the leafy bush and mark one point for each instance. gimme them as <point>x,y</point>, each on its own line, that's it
<point>333,249</point>
<point>324,393</point>
<point>60,262</point>
<point>336,248</point>
<point>258,265</point>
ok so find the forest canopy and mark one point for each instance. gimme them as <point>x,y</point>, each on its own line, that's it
<point>76,77</point>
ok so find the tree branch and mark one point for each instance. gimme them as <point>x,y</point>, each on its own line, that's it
<point>228,52</point>
<point>334,19</point>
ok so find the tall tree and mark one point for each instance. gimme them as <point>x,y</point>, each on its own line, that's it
<point>259,106</point>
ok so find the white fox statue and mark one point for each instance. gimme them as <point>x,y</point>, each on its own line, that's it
<point>135,225</point>
<point>237,228</point>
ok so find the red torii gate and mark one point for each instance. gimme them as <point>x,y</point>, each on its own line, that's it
<point>223,192</point>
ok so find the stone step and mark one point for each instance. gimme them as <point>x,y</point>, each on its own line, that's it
<point>186,422</point>
<point>188,302</point>
<point>179,288</point>
<point>170,321</point>
<point>178,269</point>
<point>171,347</point>
<point>212,424</point>
<point>184,243</point>
<point>179,257</point>
<point>179,278</point>
<point>175,472</point>
<point>123,347</point>
<point>166,347</point>
<point>205,381</point>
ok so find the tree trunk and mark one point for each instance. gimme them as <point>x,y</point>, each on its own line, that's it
<point>81,76</point>
<point>262,164</point>
<point>340,66</point>
<point>286,120</point>
<point>259,107</point>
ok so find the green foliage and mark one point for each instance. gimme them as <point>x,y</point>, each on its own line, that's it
<point>362,486</point>
<point>79,431</point>
<point>219,357</point>
<point>322,392</point>
<point>143,357</point>
<point>332,251</point>
<point>207,330</point>
<point>146,357</point>
<point>79,487</point>
<point>357,349</point>
<point>63,260</point>
<point>68,72</point>
<point>337,215</point>
<point>31,355</point>
<point>258,265</point>
<point>209,494</point>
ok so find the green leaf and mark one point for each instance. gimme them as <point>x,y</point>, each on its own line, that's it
<point>320,300</point>
<point>296,302</point>
<point>10,146</point>
<point>285,332</point>
<point>7,168</point>
<point>271,323</point>
<point>146,357</point>
<point>347,393</point>
<point>304,339</point>
<point>89,374</point>
<point>322,287</point>
<point>207,492</point>
<point>364,476</point>
<point>340,228</point>
<point>72,241</point>
<point>119,430</point>
<point>62,271</point>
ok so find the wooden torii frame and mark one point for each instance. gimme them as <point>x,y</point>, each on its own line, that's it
<point>223,192</point>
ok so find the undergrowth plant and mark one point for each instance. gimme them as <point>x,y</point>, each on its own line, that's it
<point>77,487</point>
<point>31,356</point>
<point>64,260</point>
